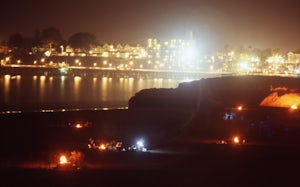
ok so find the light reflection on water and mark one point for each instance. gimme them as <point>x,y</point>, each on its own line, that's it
<point>104,88</point>
<point>48,92</point>
<point>77,83</point>
<point>6,88</point>
<point>42,88</point>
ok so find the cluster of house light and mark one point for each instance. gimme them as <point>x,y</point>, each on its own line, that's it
<point>173,54</point>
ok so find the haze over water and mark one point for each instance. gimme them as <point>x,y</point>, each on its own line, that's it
<point>33,93</point>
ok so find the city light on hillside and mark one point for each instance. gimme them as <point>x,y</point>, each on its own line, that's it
<point>164,55</point>
<point>244,66</point>
<point>189,53</point>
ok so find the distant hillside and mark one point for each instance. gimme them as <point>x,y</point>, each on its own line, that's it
<point>213,92</point>
<point>208,100</point>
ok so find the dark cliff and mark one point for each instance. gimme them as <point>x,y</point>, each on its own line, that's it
<point>213,92</point>
<point>208,100</point>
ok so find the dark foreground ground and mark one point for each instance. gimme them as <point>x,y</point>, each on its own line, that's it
<point>28,143</point>
<point>182,163</point>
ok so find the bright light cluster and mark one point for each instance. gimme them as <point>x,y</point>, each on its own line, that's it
<point>63,160</point>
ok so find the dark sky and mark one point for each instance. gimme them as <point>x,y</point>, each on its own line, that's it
<point>259,23</point>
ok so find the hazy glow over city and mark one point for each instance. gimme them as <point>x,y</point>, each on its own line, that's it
<point>259,23</point>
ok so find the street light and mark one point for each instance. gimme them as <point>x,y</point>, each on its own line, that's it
<point>62,49</point>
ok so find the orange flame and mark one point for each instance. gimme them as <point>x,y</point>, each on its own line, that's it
<point>102,147</point>
<point>78,126</point>
<point>288,99</point>
<point>240,108</point>
<point>63,160</point>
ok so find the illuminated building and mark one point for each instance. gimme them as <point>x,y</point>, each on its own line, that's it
<point>293,62</point>
<point>173,54</point>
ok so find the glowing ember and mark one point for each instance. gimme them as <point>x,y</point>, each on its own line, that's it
<point>287,98</point>
<point>63,159</point>
<point>102,147</point>
<point>78,126</point>
<point>236,139</point>
<point>240,108</point>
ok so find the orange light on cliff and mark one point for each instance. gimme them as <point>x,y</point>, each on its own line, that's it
<point>294,107</point>
<point>287,99</point>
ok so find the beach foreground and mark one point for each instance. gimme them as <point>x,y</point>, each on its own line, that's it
<point>177,164</point>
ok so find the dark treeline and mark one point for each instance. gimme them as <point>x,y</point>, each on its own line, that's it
<point>49,38</point>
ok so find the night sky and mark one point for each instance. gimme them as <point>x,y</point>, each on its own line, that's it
<point>214,23</point>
